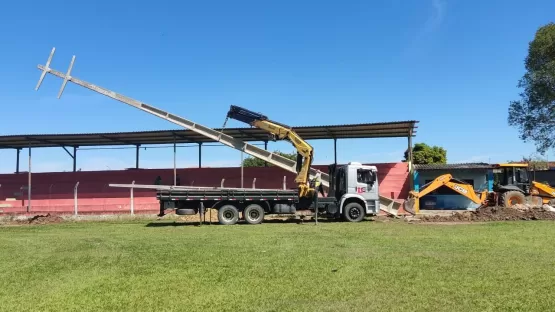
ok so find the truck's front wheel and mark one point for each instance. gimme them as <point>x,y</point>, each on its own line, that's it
<point>353,212</point>
<point>254,214</point>
<point>228,215</point>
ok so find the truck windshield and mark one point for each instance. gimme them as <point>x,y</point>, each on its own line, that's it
<point>365,176</point>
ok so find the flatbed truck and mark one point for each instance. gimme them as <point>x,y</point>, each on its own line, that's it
<point>353,194</point>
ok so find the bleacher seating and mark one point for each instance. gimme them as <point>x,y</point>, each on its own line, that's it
<point>54,192</point>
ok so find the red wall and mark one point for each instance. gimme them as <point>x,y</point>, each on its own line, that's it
<point>53,192</point>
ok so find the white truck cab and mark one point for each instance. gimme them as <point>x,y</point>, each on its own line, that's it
<point>356,190</point>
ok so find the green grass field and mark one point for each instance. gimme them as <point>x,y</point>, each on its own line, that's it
<point>135,266</point>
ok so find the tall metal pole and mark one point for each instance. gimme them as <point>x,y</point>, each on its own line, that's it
<point>29,183</point>
<point>272,158</point>
<point>174,163</point>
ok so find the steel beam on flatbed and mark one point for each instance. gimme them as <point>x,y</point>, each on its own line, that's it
<point>387,204</point>
<point>189,188</point>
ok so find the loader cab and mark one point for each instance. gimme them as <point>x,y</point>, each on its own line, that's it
<point>512,175</point>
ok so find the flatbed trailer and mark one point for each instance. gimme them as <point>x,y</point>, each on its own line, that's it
<point>254,204</point>
<point>192,200</point>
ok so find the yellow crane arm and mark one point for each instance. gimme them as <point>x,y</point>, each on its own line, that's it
<point>305,152</point>
<point>303,148</point>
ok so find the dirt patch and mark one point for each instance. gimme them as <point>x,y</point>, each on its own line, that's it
<point>36,219</point>
<point>493,214</point>
<point>43,219</point>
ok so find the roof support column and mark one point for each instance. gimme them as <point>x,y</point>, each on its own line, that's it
<point>265,148</point>
<point>137,156</point>
<point>335,150</point>
<point>200,154</point>
<point>17,160</point>
<point>73,156</point>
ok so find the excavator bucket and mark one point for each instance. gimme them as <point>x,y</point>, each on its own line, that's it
<point>409,205</point>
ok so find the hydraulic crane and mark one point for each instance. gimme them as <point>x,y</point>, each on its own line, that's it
<point>305,152</point>
<point>386,204</point>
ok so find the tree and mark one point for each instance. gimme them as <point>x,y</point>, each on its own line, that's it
<point>534,113</point>
<point>422,153</point>
<point>534,162</point>
<point>256,162</point>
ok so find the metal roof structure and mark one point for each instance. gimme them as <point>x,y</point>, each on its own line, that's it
<point>452,166</point>
<point>349,131</point>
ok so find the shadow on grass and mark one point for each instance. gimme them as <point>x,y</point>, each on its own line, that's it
<point>271,221</point>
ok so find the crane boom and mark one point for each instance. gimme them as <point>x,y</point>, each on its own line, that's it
<point>305,152</point>
<point>387,204</point>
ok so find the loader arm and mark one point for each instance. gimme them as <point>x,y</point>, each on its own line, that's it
<point>544,190</point>
<point>277,131</point>
<point>463,188</point>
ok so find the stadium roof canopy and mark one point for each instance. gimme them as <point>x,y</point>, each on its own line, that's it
<point>349,131</point>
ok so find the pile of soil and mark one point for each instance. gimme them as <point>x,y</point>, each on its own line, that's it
<point>494,214</point>
<point>43,219</point>
<point>196,217</point>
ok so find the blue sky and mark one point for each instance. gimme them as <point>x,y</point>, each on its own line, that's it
<point>453,65</point>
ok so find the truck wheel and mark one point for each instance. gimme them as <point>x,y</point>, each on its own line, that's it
<point>353,212</point>
<point>253,214</point>
<point>228,215</point>
<point>511,198</point>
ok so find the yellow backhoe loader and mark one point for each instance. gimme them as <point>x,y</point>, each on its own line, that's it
<point>412,204</point>
<point>512,186</point>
